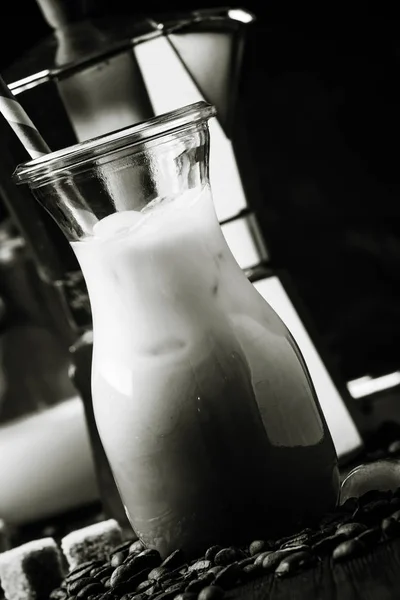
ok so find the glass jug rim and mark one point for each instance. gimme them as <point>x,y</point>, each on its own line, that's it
<point>130,136</point>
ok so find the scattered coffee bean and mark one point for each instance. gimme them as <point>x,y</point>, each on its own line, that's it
<point>296,541</point>
<point>248,560</point>
<point>260,558</point>
<point>348,549</point>
<point>394,448</point>
<point>370,537</point>
<point>122,547</point>
<point>176,587</point>
<point>77,585</point>
<point>350,505</point>
<point>144,585</point>
<point>106,596</point>
<point>157,573</point>
<point>212,552</point>
<point>215,570</point>
<point>117,559</point>
<point>89,589</point>
<point>249,572</point>
<point>135,564</point>
<point>349,530</point>
<point>294,562</point>
<point>171,575</point>
<point>377,509</point>
<point>328,544</point>
<point>136,546</point>
<point>211,592</point>
<point>82,570</point>
<point>336,518</point>
<point>59,594</point>
<point>106,581</point>
<point>395,515</point>
<point>271,561</point>
<point>374,496</point>
<point>100,572</point>
<point>174,560</point>
<point>258,546</point>
<point>228,576</point>
<point>228,555</point>
<point>186,596</point>
<point>200,565</point>
<point>394,503</point>
<point>198,584</point>
<point>390,528</point>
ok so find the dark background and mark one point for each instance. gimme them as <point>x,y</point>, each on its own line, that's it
<point>322,101</point>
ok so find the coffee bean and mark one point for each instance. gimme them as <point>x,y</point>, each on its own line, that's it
<point>249,572</point>
<point>228,555</point>
<point>395,515</point>
<point>377,509</point>
<point>136,546</point>
<point>124,547</point>
<point>228,576</point>
<point>260,558</point>
<point>200,565</point>
<point>390,528</point>
<point>59,594</point>
<point>258,546</point>
<point>171,575</point>
<point>394,448</point>
<point>326,545</point>
<point>350,505</point>
<point>107,596</point>
<point>215,570</point>
<point>212,552</point>
<point>144,585</point>
<point>174,560</point>
<point>370,537</point>
<point>117,559</point>
<point>211,592</point>
<point>135,564</point>
<point>186,596</point>
<point>349,530</point>
<point>374,496</point>
<point>83,570</point>
<point>394,503</point>
<point>294,562</point>
<point>77,585</point>
<point>164,595</point>
<point>334,519</point>
<point>197,584</point>
<point>153,589</point>
<point>271,561</point>
<point>106,581</point>
<point>101,572</point>
<point>157,573</point>
<point>248,561</point>
<point>348,549</point>
<point>150,552</point>
<point>176,587</point>
<point>89,589</point>
<point>295,541</point>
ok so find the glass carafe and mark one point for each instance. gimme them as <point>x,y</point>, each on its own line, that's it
<point>202,399</point>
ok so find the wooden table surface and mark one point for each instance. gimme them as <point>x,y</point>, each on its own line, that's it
<point>372,576</point>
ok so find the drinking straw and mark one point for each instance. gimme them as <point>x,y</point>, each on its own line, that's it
<point>17,118</point>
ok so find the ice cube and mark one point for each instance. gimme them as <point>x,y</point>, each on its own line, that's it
<point>117,223</point>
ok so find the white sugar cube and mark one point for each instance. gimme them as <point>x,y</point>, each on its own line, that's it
<point>94,542</point>
<point>31,571</point>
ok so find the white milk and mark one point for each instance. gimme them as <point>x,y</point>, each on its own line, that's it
<point>202,400</point>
